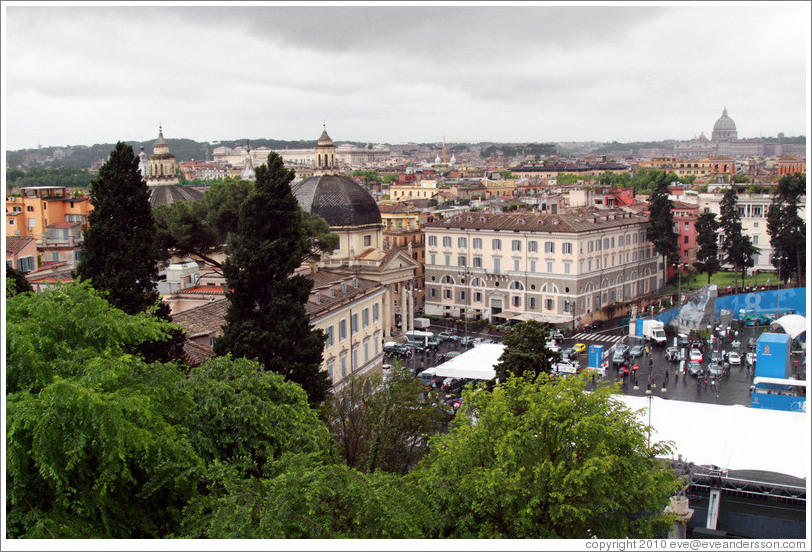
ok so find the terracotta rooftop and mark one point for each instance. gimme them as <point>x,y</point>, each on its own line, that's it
<point>15,244</point>
<point>324,281</point>
<point>202,320</point>
<point>568,223</point>
<point>196,354</point>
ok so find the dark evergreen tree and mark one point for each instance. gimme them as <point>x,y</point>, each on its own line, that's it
<point>120,256</point>
<point>707,256</point>
<point>526,351</point>
<point>738,250</point>
<point>266,319</point>
<point>660,230</point>
<point>19,284</point>
<point>788,230</point>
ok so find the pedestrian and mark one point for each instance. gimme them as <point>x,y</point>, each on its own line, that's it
<point>706,381</point>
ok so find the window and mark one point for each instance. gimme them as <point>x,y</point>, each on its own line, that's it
<point>367,241</point>
<point>549,247</point>
<point>517,301</point>
<point>29,209</point>
<point>620,241</point>
<point>517,285</point>
<point>432,292</point>
<point>477,243</point>
<point>330,336</point>
<point>549,304</point>
<point>447,280</point>
<point>606,243</point>
<point>32,223</point>
<point>477,297</point>
<point>531,303</point>
<point>432,258</point>
<point>446,241</point>
<point>598,244</point>
<point>366,350</point>
<point>477,262</point>
<point>25,264</point>
<point>497,265</point>
<point>567,267</point>
<point>532,265</point>
<point>77,255</point>
<point>496,244</point>
<point>11,222</point>
<point>462,260</point>
<point>462,243</point>
<point>365,317</point>
<point>590,247</point>
<point>634,236</point>
<point>516,245</point>
<point>533,246</point>
<point>634,256</point>
<point>355,358</point>
<point>566,248</point>
<point>598,263</point>
<point>342,329</point>
<point>516,263</point>
<point>613,242</point>
<point>755,240</point>
<point>447,259</point>
<point>376,312</point>
<point>446,294</point>
<point>549,266</point>
<point>589,265</point>
<point>354,323</point>
<point>755,225</point>
<point>755,211</point>
<point>685,239</point>
<point>433,241</point>
<point>462,295</point>
<point>377,339</point>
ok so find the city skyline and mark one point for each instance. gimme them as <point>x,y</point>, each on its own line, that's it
<point>381,73</point>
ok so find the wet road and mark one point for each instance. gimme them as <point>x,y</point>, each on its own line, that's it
<point>731,389</point>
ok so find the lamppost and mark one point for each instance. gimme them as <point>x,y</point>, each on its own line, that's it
<point>648,396</point>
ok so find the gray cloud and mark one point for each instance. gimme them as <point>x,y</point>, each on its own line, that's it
<point>386,73</point>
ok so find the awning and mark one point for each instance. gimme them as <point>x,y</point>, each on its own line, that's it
<point>504,314</point>
<point>542,317</point>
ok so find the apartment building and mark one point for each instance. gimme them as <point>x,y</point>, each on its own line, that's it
<point>556,268</point>
<point>30,213</point>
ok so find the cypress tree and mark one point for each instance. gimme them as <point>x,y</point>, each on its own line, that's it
<point>738,248</point>
<point>660,230</point>
<point>786,228</point>
<point>266,319</point>
<point>707,256</point>
<point>120,256</point>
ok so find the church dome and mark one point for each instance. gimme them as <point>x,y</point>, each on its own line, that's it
<point>337,199</point>
<point>724,122</point>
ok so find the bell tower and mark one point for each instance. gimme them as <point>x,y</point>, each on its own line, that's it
<point>325,155</point>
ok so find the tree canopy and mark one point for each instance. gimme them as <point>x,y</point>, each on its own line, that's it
<point>120,255</point>
<point>707,256</point>
<point>526,351</point>
<point>537,458</point>
<point>738,248</point>
<point>660,229</point>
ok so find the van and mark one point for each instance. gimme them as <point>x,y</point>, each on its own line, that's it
<point>427,377</point>
<point>422,338</point>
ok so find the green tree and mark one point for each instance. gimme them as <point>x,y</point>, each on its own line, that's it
<point>786,228</point>
<point>381,425</point>
<point>506,175</point>
<point>547,459</point>
<point>18,283</point>
<point>660,229</point>
<point>120,256</point>
<point>738,249</point>
<point>526,351</point>
<point>567,178</point>
<point>391,177</point>
<point>707,256</point>
<point>266,319</point>
<point>95,446</point>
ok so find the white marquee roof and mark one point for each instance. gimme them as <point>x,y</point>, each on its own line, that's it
<point>733,437</point>
<point>476,363</point>
<point>793,324</point>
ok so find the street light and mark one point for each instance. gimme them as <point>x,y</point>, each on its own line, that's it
<point>648,396</point>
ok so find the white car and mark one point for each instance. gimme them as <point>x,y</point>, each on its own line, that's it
<point>552,346</point>
<point>696,355</point>
<point>733,358</point>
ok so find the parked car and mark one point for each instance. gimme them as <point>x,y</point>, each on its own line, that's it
<point>553,346</point>
<point>622,347</point>
<point>568,354</point>
<point>579,348</point>
<point>448,336</point>
<point>695,355</point>
<point>636,351</point>
<point>397,349</point>
<point>558,337</point>
<point>694,368</point>
<point>442,357</point>
<point>714,369</point>
<point>618,357</point>
<point>733,358</point>
<point>672,354</point>
<point>716,356</point>
<point>467,341</point>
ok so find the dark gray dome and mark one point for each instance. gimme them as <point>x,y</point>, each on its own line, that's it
<point>337,199</point>
<point>724,122</point>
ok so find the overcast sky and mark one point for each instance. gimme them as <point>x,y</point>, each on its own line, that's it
<point>385,73</point>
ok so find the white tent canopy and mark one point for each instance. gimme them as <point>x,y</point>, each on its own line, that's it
<point>793,324</point>
<point>476,363</point>
<point>732,437</point>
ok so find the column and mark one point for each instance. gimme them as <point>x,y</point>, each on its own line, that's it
<point>403,309</point>
<point>411,308</point>
<point>388,321</point>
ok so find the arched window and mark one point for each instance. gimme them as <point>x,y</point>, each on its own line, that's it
<point>447,280</point>
<point>605,283</point>
<point>634,275</point>
<point>477,282</point>
<point>589,287</point>
<point>550,288</point>
<point>516,285</point>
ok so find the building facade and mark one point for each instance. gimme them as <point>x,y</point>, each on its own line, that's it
<point>36,207</point>
<point>560,268</point>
